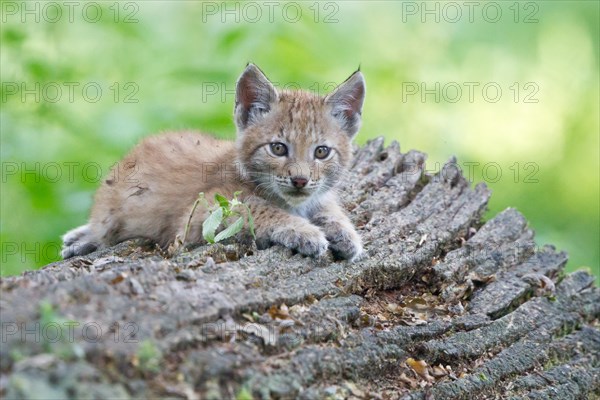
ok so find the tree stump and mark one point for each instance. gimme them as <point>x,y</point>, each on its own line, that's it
<point>443,306</point>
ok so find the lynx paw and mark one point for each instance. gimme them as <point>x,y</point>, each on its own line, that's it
<point>344,243</point>
<point>308,240</point>
<point>78,242</point>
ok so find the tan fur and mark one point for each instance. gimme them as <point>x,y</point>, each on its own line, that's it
<point>151,191</point>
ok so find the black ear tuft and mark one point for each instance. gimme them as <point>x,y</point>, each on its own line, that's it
<point>346,102</point>
<point>253,96</point>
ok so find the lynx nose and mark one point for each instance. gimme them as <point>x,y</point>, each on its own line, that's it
<point>299,182</point>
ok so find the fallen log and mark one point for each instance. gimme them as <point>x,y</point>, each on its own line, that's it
<point>444,306</point>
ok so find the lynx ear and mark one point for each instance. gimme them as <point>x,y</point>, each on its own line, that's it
<point>254,95</point>
<point>346,102</point>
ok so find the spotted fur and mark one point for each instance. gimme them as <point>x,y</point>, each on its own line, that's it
<point>292,197</point>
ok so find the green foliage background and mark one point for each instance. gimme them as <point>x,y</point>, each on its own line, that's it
<point>170,57</point>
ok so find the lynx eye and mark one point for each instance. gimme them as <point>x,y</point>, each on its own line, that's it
<point>279,149</point>
<point>322,152</point>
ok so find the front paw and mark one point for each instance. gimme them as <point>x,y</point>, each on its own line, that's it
<point>78,242</point>
<point>306,239</point>
<point>344,242</point>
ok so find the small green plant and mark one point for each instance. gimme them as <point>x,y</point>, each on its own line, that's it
<point>16,355</point>
<point>244,394</point>
<point>220,213</point>
<point>148,356</point>
<point>53,340</point>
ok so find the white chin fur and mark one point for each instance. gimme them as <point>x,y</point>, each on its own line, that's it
<point>296,201</point>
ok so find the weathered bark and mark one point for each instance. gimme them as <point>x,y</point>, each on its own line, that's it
<point>444,306</point>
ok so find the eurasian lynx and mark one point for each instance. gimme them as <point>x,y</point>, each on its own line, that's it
<point>292,150</point>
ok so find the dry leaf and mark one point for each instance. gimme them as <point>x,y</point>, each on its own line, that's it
<point>298,309</point>
<point>248,317</point>
<point>420,367</point>
<point>409,381</point>
<point>394,308</point>
<point>119,278</point>
<point>439,371</point>
<point>417,303</point>
<point>174,247</point>
<point>476,277</point>
<point>101,262</point>
<point>543,283</point>
<point>80,263</point>
<point>281,312</point>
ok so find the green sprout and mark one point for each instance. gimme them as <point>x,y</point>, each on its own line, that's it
<point>244,394</point>
<point>220,213</point>
<point>60,346</point>
<point>149,356</point>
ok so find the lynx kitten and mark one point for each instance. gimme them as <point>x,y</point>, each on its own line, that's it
<point>292,149</point>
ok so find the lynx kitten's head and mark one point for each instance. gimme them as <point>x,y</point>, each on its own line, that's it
<point>295,145</point>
